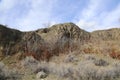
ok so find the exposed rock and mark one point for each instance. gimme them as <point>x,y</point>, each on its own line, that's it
<point>44,43</point>
<point>8,35</point>
<point>33,45</point>
<point>8,39</point>
<point>59,31</point>
<point>41,75</point>
<point>61,37</point>
<point>32,42</point>
<point>110,34</point>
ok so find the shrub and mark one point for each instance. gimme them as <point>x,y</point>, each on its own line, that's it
<point>6,74</point>
<point>30,63</point>
<point>64,71</point>
<point>101,62</point>
<point>43,66</point>
<point>115,54</point>
<point>116,67</point>
<point>60,70</point>
<point>89,57</point>
<point>70,58</point>
<point>2,75</point>
<point>88,69</point>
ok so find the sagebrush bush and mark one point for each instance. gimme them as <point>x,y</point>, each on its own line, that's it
<point>43,66</point>
<point>2,75</point>
<point>89,57</point>
<point>70,58</point>
<point>87,70</point>
<point>101,62</point>
<point>116,67</point>
<point>30,63</point>
<point>90,68</point>
<point>6,74</point>
<point>64,71</point>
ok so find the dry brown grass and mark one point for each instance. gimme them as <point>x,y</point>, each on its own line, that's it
<point>79,67</point>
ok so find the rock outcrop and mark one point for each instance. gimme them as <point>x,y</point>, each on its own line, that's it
<point>8,39</point>
<point>46,42</point>
<point>59,31</point>
<point>110,34</point>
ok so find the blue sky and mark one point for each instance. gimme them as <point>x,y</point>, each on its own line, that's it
<point>90,15</point>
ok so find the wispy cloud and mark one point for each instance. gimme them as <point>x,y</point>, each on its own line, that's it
<point>39,13</point>
<point>97,16</point>
<point>13,10</point>
<point>26,14</point>
<point>33,14</point>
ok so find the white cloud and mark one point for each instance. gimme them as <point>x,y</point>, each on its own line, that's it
<point>26,14</point>
<point>88,25</point>
<point>12,10</point>
<point>4,7</point>
<point>95,17</point>
<point>7,4</point>
<point>112,17</point>
<point>40,12</point>
<point>32,14</point>
<point>91,10</point>
<point>87,21</point>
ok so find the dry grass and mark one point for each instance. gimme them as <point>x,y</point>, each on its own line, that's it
<point>86,67</point>
<point>7,74</point>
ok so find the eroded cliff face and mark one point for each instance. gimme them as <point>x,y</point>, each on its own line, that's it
<point>59,31</point>
<point>47,42</point>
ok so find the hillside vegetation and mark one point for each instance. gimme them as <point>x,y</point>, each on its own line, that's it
<point>60,52</point>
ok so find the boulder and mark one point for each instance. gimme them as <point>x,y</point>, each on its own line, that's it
<point>41,75</point>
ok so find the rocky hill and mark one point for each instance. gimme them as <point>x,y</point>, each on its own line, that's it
<point>46,42</point>
<point>110,34</point>
<point>59,31</point>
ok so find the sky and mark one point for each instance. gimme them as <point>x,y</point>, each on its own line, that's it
<point>27,15</point>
